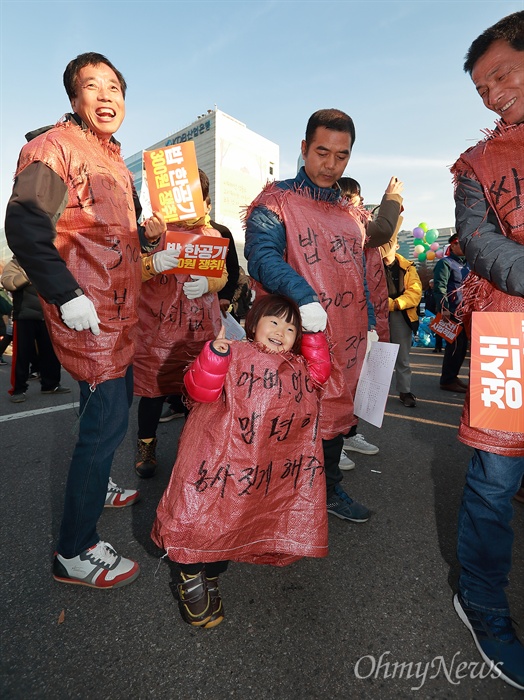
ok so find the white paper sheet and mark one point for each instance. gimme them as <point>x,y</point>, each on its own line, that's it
<point>234,330</point>
<point>373,384</point>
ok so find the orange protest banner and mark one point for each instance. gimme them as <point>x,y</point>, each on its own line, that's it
<point>174,183</point>
<point>497,363</point>
<point>448,330</point>
<point>197,254</point>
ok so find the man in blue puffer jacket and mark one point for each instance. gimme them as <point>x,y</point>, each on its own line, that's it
<point>303,240</point>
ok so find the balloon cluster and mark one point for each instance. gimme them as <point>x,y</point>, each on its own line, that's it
<point>426,247</point>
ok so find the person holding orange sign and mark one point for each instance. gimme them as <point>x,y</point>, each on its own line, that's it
<point>178,314</point>
<point>490,225</point>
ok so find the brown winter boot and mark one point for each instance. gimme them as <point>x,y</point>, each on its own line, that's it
<point>217,609</point>
<point>194,601</point>
<point>145,465</point>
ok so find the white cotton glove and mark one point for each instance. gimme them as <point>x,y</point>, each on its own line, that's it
<point>314,318</point>
<point>79,314</point>
<point>165,260</point>
<point>372,338</point>
<point>197,288</point>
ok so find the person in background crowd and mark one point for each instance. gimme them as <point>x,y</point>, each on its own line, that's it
<point>6,309</point>
<point>404,295</point>
<point>178,315</point>
<point>226,294</point>
<point>382,227</point>
<point>490,225</point>
<point>30,336</point>
<point>243,296</point>
<point>448,276</point>
<point>430,304</point>
<point>173,406</point>
<point>72,224</point>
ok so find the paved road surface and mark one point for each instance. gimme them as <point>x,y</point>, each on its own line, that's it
<point>321,629</point>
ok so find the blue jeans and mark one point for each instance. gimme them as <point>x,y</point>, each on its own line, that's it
<point>104,415</point>
<point>485,536</point>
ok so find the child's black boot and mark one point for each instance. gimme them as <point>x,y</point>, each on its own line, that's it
<point>195,604</point>
<point>217,609</point>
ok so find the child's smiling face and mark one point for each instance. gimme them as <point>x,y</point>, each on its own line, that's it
<point>276,333</point>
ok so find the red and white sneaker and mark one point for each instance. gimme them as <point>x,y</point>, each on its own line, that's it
<point>98,567</point>
<point>117,497</point>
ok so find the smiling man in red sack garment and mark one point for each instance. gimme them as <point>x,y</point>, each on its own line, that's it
<point>490,225</point>
<point>72,224</point>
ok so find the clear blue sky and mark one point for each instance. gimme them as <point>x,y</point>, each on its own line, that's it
<point>395,67</point>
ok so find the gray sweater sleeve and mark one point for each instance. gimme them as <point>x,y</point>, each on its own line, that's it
<point>488,251</point>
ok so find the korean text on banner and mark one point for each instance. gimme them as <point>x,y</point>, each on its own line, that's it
<point>497,363</point>
<point>447,329</point>
<point>174,183</point>
<point>197,254</point>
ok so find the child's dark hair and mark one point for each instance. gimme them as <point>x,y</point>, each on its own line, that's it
<point>274,305</point>
<point>204,184</point>
<point>349,187</point>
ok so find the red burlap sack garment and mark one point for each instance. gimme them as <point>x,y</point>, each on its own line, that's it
<point>172,329</point>
<point>97,237</point>
<point>324,245</point>
<point>378,291</point>
<point>497,163</point>
<point>248,483</point>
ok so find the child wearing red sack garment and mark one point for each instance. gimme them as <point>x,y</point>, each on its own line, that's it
<point>248,484</point>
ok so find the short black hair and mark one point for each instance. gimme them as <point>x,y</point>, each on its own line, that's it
<point>204,184</point>
<point>81,61</point>
<point>510,29</point>
<point>332,119</point>
<point>349,187</point>
<point>453,238</point>
<point>274,305</point>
